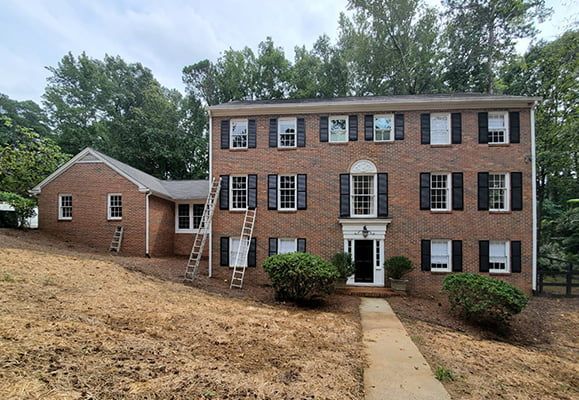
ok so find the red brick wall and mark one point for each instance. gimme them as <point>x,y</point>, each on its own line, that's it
<point>403,161</point>
<point>89,184</point>
<point>161,226</point>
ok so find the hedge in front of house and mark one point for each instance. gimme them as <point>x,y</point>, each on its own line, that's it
<point>299,276</point>
<point>483,299</point>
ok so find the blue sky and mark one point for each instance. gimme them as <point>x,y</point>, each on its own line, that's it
<point>166,35</point>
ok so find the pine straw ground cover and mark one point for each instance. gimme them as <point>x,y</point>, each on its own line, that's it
<point>78,327</point>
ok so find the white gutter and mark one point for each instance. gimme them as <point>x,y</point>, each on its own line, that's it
<point>148,193</point>
<point>534,189</point>
<point>210,258</point>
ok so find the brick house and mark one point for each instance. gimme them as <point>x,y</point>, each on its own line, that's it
<point>446,180</point>
<point>86,198</point>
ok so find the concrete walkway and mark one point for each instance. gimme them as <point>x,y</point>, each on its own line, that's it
<point>397,370</point>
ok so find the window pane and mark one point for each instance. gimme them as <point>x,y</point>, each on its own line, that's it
<point>382,127</point>
<point>439,191</point>
<point>66,206</point>
<point>439,254</point>
<point>498,256</point>
<point>183,217</point>
<point>338,130</point>
<point>233,247</point>
<point>497,127</point>
<point>287,132</point>
<point>239,133</point>
<point>363,194</point>
<point>439,129</point>
<point>197,215</point>
<point>287,246</point>
<point>287,192</point>
<point>239,192</point>
<point>116,206</point>
<point>498,191</point>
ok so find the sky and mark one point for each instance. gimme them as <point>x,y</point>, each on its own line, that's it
<point>166,35</point>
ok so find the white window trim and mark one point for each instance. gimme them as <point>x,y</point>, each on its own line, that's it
<point>295,241</point>
<point>375,184</point>
<point>507,194</point>
<point>231,133</point>
<point>507,127</point>
<point>448,118</point>
<point>60,207</point>
<point>449,192</point>
<point>231,208</point>
<point>449,266</point>
<point>109,217</point>
<point>335,117</point>
<point>191,207</point>
<point>507,269</point>
<point>391,116</point>
<point>295,122</point>
<point>295,193</point>
<point>233,255</point>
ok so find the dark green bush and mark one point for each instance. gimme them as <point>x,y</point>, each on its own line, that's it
<point>299,276</point>
<point>344,265</point>
<point>397,267</point>
<point>482,299</point>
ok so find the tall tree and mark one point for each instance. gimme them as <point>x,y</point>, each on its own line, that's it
<point>391,47</point>
<point>481,35</point>
<point>25,114</point>
<point>272,71</point>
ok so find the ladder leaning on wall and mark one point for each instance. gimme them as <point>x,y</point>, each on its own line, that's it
<point>117,239</point>
<point>241,256</point>
<point>203,231</point>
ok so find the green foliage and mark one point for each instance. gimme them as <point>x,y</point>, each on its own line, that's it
<point>398,266</point>
<point>443,374</point>
<point>23,207</point>
<point>482,299</point>
<point>25,114</point>
<point>7,277</point>
<point>299,276</point>
<point>344,264</point>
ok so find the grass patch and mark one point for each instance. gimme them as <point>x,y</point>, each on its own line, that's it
<point>7,277</point>
<point>443,374</point>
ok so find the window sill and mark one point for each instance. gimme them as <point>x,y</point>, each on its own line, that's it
<point>441,211</point>
<point>441,145</point>
<point>286,148</point>
<point>65,219</point>
<point>440,272</point>
<point>114,219</point>
<point>186,231</point>
<point>383,141</point>
<point>499,212</point>
<point>287,211</point>
<point>338,143</point>
<point>238,211</point>
<point>498,144</point>
<point>238,149</point>
<point>497,273</point>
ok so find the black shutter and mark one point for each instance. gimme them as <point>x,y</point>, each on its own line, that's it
<point>224,259</point>
<point>368,127</point>
<point>425,128</point>
<point>353,128</point>
<point>516,191</point>
<point>225,134</point>
<point>273,132</point>
<point>425,255</point>
<point>302,245</point>
<point>425,191</point>
<point>516,256</point>
<point>251,191</point>
<point>272,192</point>
<point>483,255</point>
<point>251,256</point>
<point>456,128</point>
<point>483,127</point>
<point>457,191</point>
<point>399,127</point>
<point>383,195</point>
<point>457,256</point>
<point>344,195</point>
<point>251,134</point>
<point>323,129</point>
<point>483,190</point>
<point>514,127</point>
<point>301,125</point>
<point>224,193</point>
<point>302,191</point>
<point>272,247</point>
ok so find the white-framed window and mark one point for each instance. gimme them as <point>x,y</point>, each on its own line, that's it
<point>377,254</point>
<point>499,257</point>
<point>440,128</point>
<point>499,192</point>
<point>440,192</point>
<point>65,207</point>
<point>286,132</point>
<point>440,260</point>
<point>188,217</point>
<point>238,192</point>
<point>384,128</point>
<point>338,128</point>
<point>115,206</point>
<point>498,127</point>
<point>363,197</point>
<point>233,248</point>
<point>287,245</point>
<point>287,192</point>
<point>238,129</point>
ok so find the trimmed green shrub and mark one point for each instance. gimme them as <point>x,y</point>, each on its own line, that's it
<point>344,264</point>
<point>483,299</point>
<point>23,207</point>
<point>299,276</point>
<point>397,267</point>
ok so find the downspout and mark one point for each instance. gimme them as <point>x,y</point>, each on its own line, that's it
<point>148,193</point>
<point>210,258</point>
<point>534,189</point>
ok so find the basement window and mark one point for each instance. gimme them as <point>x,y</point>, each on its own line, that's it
<point>115,206</point>
<point>65,207</point>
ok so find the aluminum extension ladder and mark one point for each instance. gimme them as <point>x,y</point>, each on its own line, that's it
<point>240,263</point>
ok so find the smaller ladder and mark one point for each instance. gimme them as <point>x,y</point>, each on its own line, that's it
<point>240,263</point>
<point>117,239</point>
<point>201,234</point>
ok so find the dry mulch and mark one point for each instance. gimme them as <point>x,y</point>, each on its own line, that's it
<point>78,324</point>
<point>538,358</point>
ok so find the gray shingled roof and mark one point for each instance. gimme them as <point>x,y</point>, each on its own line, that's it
<point>176,190</point>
